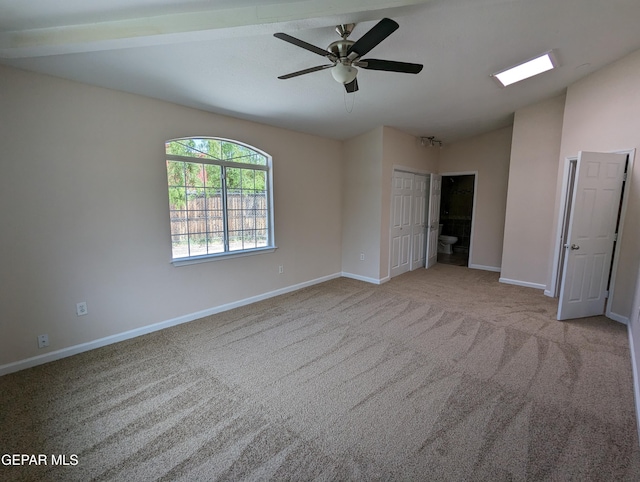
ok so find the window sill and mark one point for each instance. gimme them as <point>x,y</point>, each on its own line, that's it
<point>218,257</point>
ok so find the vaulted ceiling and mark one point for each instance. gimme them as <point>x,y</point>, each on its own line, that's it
<point>221,56</point>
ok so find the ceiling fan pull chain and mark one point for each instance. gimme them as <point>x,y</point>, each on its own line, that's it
<point>353,101</point>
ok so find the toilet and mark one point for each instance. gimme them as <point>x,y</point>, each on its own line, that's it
<point>445,243</point>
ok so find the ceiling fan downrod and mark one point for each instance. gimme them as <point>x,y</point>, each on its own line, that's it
<point>345,30</point>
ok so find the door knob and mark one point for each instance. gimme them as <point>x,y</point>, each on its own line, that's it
<point>575,246</point>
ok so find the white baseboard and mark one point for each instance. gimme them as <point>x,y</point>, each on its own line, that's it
<point>548,293</point>
<point>496,269</point>
<point>526,284</point>
<point>616,317</point>
<point>365,278</point>
<point>91,345</point>
<point>636,379</point>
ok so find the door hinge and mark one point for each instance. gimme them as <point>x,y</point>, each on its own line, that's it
<point>606,294</point>
<point>615,237</point>
<point>624,177</point>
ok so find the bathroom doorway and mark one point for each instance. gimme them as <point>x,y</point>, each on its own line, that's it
<point>456,218</point>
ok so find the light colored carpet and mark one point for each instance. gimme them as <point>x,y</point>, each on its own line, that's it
<point>440,374</point>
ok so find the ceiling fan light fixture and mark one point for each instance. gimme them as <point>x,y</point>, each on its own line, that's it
<point>344,74</point>
<point>527,69</point>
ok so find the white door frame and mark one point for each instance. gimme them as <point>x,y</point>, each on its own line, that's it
<point>554,287</point>
<point>473,212</point>
<point>433,219</point>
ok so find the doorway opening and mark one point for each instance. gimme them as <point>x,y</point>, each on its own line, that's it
<point>456,218</point>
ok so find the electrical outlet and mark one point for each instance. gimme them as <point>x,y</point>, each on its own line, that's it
<point>81,308</point>
<point>361,256</point>
<point>43,341</point>
<point>280,269</point>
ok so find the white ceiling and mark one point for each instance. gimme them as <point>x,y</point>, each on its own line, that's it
<point>221,55</point>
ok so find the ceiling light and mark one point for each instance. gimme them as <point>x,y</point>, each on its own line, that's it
<point>430,141</point>
<point>344,74</point>
<point>526,69</point>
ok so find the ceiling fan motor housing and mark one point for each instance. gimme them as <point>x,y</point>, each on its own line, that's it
<point>339,48</point>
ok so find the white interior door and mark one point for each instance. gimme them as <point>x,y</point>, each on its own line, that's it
<point>418,222</point>
<point>591,234</point>
<point>402,199</point>
<point>433,219</point>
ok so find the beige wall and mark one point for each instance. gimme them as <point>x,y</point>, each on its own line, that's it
<point>85,214</point>
<point>488,154</point>
<point>404,151</point>
<point>361,207</point>
<point>533,171</point>
<point>601,114</point>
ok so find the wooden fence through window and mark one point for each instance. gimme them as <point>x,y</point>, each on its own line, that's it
<point>246,212</point>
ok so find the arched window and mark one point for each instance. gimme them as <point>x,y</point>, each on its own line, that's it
<point>220,198</point>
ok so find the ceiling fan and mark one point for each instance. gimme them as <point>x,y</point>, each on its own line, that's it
<point>345,55</point>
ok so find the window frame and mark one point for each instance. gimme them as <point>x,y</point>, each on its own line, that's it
<point>224,164</point>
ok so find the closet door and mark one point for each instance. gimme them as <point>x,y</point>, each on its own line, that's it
<point>401,229</point>
<point>418,222</point>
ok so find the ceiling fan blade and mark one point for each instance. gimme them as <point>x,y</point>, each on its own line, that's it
<point>305,71</point>
<point>301,43</point>
<point>351,86</point>
<point>373,37</point>
<point>389,66</point>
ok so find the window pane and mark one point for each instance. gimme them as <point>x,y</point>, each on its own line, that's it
<point>197,245</point>
<point>248,179</point>
<point>261,218</point>
<point>249,202</point>
<point>213,176</point>
<point>181,147</point>
<point>261,180</point>
<point>215,242</point>
<point>215,221</point>
<point>234,181</point>
<point>234,219</point>
<point>177,197</point>
<point>196,198</point>
<point>261,238</point>
<point>211,147</point>
<point>249,239</point>
<point>235,240</point>
<point>248,222</point>
<point>257,159</point>
<point>197,221</point>
<point>175,173</point>
<point>178,226</point>
<point>178,214</point>
<point>179,246</point>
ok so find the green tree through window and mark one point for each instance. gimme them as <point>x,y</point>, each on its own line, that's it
<point>219,198</point>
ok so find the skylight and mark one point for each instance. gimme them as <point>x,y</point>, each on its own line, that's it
<point>526,69</point>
